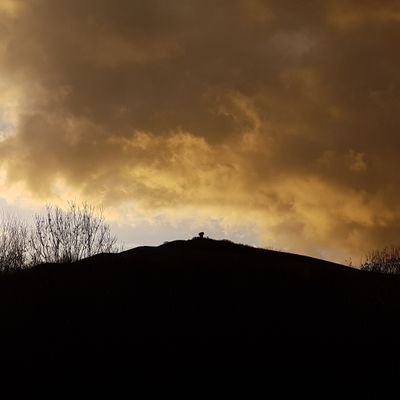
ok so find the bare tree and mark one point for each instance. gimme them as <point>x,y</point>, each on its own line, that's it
<point>385,260</point>
<point>66,236</point>
<point>13,243</point>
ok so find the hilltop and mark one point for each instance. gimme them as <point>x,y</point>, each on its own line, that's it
<point>199,299</point>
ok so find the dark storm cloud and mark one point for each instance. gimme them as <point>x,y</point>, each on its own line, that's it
<point>282,110</point>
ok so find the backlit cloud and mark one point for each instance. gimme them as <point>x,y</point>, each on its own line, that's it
<point>278,114</point>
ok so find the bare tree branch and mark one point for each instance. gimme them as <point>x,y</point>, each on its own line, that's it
<point>67,236</point>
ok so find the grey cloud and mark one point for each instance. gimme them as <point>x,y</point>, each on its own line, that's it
<point>260,94</point>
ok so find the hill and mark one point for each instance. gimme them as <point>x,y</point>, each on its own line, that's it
<point>201,300</point>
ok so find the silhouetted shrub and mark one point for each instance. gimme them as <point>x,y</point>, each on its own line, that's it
<point>385,260</point>
<point>66,236</point>
<point>13,243</point>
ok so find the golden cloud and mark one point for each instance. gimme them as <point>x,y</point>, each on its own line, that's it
<point>280,114</point>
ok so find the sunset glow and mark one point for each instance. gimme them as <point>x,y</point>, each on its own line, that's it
<point>274,123</point>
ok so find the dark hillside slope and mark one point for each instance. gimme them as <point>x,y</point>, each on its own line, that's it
<point>197,299</point>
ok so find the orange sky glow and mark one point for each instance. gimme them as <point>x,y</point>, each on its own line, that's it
<point>271,122</point>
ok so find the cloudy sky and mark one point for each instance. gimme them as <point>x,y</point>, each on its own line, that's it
<point>270,122</point>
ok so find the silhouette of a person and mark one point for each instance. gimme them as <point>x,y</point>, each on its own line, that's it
<point>201,235</point>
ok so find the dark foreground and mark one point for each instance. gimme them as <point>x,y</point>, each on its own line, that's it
<point>202,304</point>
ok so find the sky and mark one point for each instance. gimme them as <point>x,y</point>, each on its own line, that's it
<point>268,122</point>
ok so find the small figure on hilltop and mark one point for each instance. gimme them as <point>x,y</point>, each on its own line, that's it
<point>201,235</point>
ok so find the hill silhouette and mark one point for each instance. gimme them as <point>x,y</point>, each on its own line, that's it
<point>200,301</point>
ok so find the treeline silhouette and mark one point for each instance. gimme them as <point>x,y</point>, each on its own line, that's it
<point>55,236</point>
<point>385,260</point>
